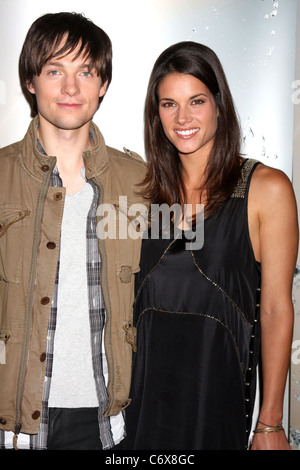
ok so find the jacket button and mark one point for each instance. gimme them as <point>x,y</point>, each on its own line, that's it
<point>57,196</point>
<point>36,414</point>
<point>51,245</point>
<point>45,168</point>
<point>2,421</point>
<point>43,357</point>
<point>45,300</point>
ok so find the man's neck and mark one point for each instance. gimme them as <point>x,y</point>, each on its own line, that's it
<point>68,147</point>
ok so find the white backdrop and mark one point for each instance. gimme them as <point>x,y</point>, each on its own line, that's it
<point>255,40</point>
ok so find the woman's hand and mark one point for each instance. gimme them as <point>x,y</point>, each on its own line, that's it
<point>270,441</point>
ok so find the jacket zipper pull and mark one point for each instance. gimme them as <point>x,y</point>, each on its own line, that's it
<point>16,435</point>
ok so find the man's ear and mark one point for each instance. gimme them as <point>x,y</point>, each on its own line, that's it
<point>103,89</point>
<point>30,88</point>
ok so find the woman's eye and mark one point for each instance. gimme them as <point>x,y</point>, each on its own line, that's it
<point>168,105</point>
<point>197,102</point>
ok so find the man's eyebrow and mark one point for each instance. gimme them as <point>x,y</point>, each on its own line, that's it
<point>53,63</point>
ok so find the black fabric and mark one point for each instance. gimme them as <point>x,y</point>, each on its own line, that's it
<point>73,429</point>
<point>196,314</point>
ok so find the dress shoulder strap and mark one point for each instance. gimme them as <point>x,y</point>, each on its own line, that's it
<point>243,182</point>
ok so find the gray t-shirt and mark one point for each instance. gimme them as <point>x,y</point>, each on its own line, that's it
<point>72,383</point>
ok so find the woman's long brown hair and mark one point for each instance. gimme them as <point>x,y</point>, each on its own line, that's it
<point>163,183</point>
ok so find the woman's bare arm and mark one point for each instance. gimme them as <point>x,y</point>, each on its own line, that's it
<point>274,233</point>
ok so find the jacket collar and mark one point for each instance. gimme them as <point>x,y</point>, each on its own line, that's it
<point>96,160</point>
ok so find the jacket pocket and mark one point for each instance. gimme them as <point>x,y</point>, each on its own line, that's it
<point>131,224</point>
<point>123,225</point>
<point>11,243</point>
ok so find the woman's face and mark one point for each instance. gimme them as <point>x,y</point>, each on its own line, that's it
<point>188,114</point>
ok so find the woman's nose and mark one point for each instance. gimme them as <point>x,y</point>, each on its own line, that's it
<point>183,115</point>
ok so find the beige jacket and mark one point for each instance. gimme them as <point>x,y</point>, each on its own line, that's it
<point>30,223</point>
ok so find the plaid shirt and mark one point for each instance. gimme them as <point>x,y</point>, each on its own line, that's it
<point>97,320</point>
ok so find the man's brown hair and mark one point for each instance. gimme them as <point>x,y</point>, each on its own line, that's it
<point>58,34</point>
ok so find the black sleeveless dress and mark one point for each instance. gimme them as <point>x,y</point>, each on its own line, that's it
<point>197,319</point>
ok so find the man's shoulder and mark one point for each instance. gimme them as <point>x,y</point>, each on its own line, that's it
<point>10,150</point>
<point>126,157</point>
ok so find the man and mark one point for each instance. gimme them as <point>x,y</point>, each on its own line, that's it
<point>66,294</point>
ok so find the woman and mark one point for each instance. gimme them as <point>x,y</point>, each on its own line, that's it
<point>200,313</point>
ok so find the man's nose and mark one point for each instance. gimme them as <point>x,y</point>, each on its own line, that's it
<point>70,85</point>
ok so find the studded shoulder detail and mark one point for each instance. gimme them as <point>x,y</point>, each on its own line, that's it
<point>240,189</point>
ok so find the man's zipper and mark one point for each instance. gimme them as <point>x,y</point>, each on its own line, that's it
<point>29,307</point>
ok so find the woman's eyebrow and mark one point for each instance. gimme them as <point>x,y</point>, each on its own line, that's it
<point>191,97</point>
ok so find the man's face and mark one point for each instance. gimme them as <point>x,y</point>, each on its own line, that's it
<point>67,92</point>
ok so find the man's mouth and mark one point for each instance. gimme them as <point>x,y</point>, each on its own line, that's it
<point>69,105</point>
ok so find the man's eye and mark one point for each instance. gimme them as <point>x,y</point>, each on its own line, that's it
<point>86,74</point>
<point>53,72</point>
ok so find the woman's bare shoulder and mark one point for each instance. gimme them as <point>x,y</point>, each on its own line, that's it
<point>270,184</point>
